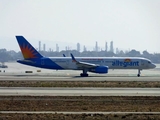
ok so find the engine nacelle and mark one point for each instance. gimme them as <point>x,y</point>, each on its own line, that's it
<point>100,69</point>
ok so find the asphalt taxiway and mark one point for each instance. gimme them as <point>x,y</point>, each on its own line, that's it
<point>36,77</point>
<point>41,91</point>
<point>88,91</point>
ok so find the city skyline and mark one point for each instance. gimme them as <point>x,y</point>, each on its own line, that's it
<point>70,46</point>
<point>107,47</point>
<point>131,24</point>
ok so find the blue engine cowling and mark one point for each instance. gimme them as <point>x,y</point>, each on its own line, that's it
<point>100,69</point>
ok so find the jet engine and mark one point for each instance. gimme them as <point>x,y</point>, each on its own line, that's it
<point>100,69</point>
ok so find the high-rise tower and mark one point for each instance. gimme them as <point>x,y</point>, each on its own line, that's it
<point>111,46</point>
<point>96,47</point>
<point>106,47</point>
<point>39,46</point>
<point>78,47</point>
<point>44,47</point>
<point>57,48</point>
<point>84,48</point>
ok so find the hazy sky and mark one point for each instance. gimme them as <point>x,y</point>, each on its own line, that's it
<point>131,24</point>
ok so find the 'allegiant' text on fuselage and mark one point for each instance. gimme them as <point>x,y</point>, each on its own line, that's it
<point>125,63</point>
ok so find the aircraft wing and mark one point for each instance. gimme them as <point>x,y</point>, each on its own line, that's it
<point>83,64</point>
<point>86,65</point>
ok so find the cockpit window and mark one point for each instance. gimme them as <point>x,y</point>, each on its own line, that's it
<point>149,62</point>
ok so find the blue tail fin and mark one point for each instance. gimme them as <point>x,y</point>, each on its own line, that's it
<point>27,49</point>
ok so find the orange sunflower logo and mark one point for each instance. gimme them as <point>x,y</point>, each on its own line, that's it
<point>127,60</point>
<point>28,51</point>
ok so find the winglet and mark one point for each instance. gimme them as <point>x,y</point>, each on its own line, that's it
<point>64,55</point>
<point>73,59</point>
<point>27,49</point>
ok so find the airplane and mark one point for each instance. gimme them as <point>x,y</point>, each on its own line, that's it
<point>87,64</point>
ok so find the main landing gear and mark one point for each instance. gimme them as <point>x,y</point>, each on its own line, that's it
<point>139,73</point>
<point>84,74</point>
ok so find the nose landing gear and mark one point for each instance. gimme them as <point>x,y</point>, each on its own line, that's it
<point>139,73</point>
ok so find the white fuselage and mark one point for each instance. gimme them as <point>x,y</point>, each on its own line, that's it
<point>111,62</point>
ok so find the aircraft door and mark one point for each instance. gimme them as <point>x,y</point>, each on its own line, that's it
<point>143,64</point>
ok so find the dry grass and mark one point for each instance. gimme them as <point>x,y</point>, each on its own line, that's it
<point>80,103</point>
<point>141,84</point>
<point>77,117</point>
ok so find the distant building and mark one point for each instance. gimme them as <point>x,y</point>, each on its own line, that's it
<point>106,47</point>
<point>78,47</point>
<point>57,48</point>
<point>111,47</point>
<point>66,48</point>
<point>39,46</point>
<point>117,51</point>
<point>96,47</point>
<point>50,50</point>
<point>84,48</point>
<point>44,47</point>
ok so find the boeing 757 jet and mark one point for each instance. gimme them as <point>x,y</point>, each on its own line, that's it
<point>87,64</point>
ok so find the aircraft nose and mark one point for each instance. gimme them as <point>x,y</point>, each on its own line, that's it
<point>153,65</point>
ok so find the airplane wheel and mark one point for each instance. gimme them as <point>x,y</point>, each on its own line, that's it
<point>83,75</point>
<point>138,75</point>
<point>86,75</point>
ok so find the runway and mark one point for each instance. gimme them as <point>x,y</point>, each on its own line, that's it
<point>16,72</point>
<point>25,77</point>
<point>60,91</point>
<point>41,91</point>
